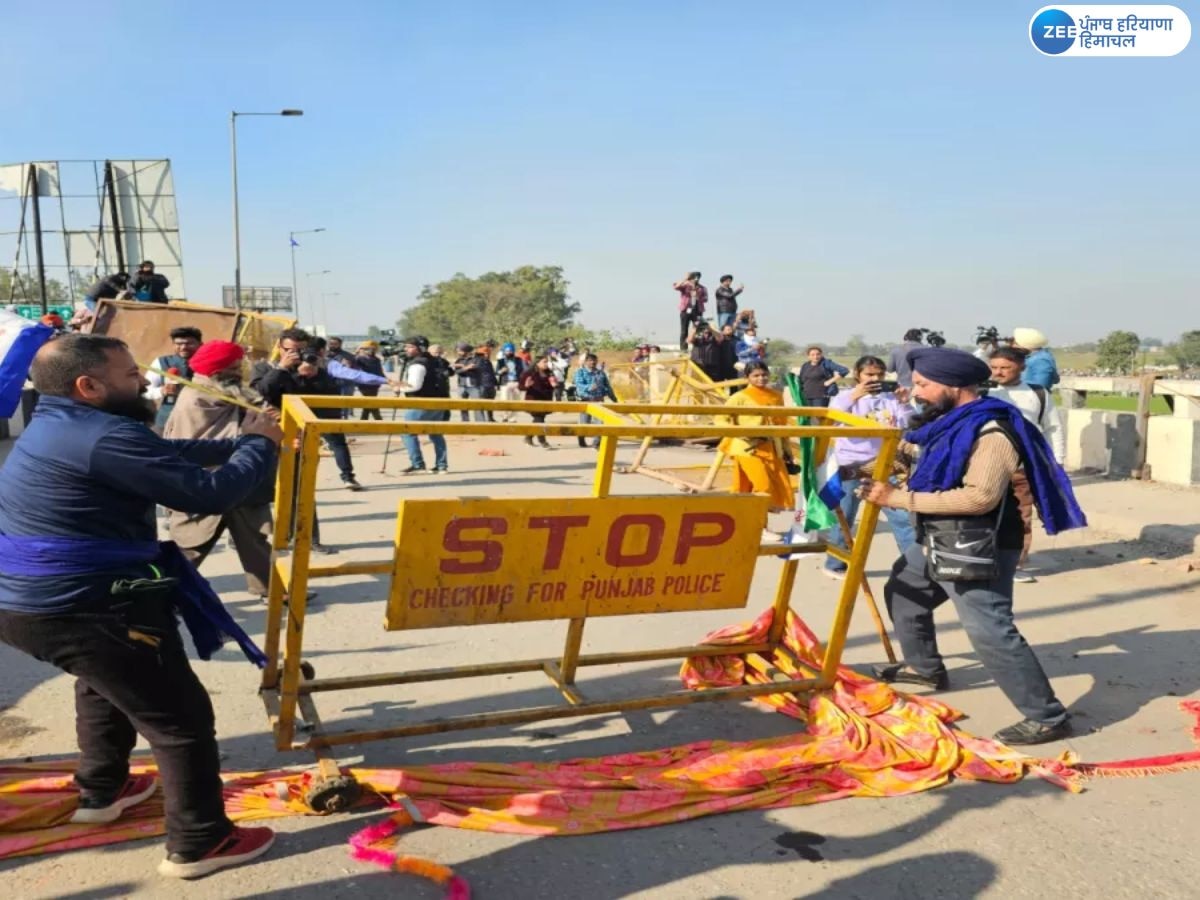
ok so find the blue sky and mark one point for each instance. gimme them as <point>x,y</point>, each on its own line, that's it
<point>862,167</point>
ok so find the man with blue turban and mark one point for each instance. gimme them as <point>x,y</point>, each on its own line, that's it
<point>968,448</point>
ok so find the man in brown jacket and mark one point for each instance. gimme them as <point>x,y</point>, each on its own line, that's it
<point>200,415</point>
<point>970,448</point>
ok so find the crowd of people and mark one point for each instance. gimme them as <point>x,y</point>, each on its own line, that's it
<point>983,448</point>
<point>89,588</point>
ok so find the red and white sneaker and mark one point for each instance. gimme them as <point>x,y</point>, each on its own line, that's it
<point>241,846</point>
<point>94,810</point>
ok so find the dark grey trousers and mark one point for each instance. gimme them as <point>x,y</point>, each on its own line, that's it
<point>985,609</point>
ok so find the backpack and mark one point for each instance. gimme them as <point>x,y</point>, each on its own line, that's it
<point>437,377</point>
<point>1041,395</point>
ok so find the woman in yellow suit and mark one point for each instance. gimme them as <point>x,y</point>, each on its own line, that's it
<point>759,464</point>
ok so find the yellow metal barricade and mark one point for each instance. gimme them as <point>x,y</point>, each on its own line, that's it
<point>485,561</point>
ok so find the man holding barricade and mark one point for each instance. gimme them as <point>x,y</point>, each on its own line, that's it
<point>86,586</point>
<point>969,535</point>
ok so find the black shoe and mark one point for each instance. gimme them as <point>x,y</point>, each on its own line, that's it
<point>412,470</point>
<point>899,673</point>
<point>352,484</point>
<point>1031,732</point>
<point>529,440</point>
<point>583,442</point>
<point>323,548</point>
<point>544,444</point>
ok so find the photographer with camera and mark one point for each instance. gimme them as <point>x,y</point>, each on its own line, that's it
<point>885,402</point>
<point>301,369</point>
<point>987,340</point>
<point>693,296</point>
<point>706,349</point>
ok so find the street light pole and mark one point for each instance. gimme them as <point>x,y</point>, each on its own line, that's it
<point>237,233</point>
<point>237,236</point>
<point>295,289</point>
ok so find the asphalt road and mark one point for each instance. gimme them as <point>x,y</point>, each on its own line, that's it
<point>1116,635</point>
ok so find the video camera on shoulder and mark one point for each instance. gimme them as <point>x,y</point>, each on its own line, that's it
<point>388,345</point>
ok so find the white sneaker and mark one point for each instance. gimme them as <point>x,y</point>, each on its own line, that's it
<point>95,811</point>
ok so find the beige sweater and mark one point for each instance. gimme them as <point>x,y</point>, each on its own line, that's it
<point>989,470</point>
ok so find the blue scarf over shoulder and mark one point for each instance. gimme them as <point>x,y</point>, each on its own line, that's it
<point>946,445</point>
<point>206,618</point>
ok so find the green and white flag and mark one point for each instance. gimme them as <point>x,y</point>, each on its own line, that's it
<point>817,515</point>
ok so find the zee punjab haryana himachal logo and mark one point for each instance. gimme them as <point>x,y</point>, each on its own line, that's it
<point>1114,30</point>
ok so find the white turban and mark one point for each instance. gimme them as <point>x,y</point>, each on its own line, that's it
<point>1029,338</point>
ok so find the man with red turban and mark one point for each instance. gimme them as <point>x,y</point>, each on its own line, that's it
<point>202,414</point>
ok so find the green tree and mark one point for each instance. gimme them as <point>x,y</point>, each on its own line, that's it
<point>25,290</point>
<point>528,302</point>
<point>1186,351</point>
<point>1118,352</point>
<point>857,346</point>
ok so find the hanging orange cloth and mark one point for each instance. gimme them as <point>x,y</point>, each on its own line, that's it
<point>758,463</point>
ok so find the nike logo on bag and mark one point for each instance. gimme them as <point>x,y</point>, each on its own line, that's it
<point>959,545</point>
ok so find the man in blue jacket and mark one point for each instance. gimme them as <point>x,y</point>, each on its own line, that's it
<point>86,587</point>
<point>1040,367</point>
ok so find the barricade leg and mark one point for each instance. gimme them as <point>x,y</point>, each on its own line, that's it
<point>855,568</point>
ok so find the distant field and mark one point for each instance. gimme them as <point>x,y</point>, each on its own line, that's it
<point>1078,362</point>
<point>1119,403</point>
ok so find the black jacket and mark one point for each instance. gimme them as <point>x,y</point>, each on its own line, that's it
<point>105,289</point>
<point>154,283</point>
<point>275,383</point>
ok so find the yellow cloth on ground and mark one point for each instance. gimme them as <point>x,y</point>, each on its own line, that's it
<point>862,738</point>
